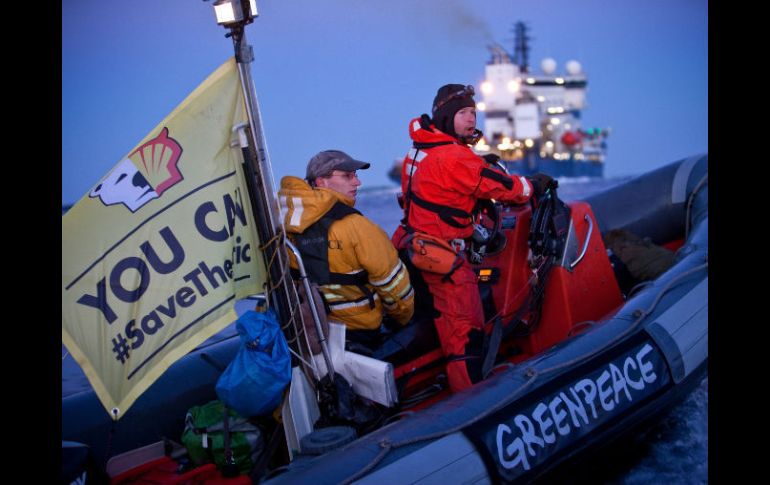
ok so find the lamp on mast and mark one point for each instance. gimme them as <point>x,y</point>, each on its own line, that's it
<point>231,12</point>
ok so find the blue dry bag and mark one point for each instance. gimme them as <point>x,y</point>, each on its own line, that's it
<point>254,381</point>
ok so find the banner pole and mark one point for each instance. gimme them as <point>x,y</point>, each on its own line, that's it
<point>264,204</point>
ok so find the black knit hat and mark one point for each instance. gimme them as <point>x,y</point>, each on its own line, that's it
<point>450,99</point>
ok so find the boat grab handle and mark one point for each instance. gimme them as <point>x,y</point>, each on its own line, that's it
<point>585,243</point>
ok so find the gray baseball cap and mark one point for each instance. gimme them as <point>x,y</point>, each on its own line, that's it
<point>325,162</point>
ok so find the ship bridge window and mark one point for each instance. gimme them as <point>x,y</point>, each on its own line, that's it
<point>496,114</point>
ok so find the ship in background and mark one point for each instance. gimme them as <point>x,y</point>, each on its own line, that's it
<point>532,121</point>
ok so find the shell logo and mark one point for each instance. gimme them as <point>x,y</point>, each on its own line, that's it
<point>148,171</point>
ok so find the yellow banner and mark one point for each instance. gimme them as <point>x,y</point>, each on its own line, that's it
<point>156,254</point>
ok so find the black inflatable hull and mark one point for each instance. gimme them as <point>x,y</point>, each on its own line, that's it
<point>521,424</point>
<point>500,428</point>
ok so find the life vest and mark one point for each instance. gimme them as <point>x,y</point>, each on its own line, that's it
<point>442,179</point>
<point>313,245</point>
<point>450,215</point>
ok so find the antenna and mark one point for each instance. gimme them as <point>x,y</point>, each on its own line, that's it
<point>521,46</point>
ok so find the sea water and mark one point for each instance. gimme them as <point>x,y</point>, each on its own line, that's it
<point>674,450</point>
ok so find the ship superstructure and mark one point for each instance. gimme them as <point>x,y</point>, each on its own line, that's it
<point>532,121</point>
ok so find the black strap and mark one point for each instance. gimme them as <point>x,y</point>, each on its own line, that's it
<point>369,294</point>
<point>272,445</point>
<point>503,179</point>
<point>405,220</point>
<point>424,146</point>
<point>230,468</point>
<point>226,425</point>
<point>532,304</point>
<point>360,278</point>
<point>493,345</point>
<point>461,357</point>
<point>445,212</point>
<point>313,245</point>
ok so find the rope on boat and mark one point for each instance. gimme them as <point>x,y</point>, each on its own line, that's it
<point>637,287</point>
<point>587,323</point>
<point>299,330</point>
<point>276,240</point>
<point>291,321</point>
<point>284,270</point>
<point>422,395</point>
<point>301,358</point>
<point>397,416</point>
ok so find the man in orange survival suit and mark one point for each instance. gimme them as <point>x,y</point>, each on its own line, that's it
<point>442,179</point>
<point>361,277</point>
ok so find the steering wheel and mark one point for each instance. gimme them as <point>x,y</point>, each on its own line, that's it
<point>488,214</point>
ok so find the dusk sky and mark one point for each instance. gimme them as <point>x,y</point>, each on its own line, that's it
<point>350,74</point>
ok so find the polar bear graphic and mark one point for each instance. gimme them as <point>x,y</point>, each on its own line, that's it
<point>148,171</point>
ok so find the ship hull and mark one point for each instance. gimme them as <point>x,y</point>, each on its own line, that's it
<point>554,168</point>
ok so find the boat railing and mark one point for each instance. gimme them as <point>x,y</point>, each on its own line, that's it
<point>313,309</point>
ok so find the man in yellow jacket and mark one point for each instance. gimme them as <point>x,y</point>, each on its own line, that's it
<point>351,258</point>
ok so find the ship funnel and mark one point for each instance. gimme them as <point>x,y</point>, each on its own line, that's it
<point>499,55</point>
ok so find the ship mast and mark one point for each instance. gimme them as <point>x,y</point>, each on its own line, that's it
<point>521,46</point>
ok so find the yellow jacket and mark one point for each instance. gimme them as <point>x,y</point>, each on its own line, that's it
<point>355,243</point>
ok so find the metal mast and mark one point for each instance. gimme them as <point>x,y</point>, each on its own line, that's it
<point>235,15</point>
<point>521,46</point>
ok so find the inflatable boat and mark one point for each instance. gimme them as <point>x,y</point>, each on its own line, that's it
<point>614,334</point>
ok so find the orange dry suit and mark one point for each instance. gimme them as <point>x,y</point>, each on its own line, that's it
<point>364,276</point>
<point>447,179</point>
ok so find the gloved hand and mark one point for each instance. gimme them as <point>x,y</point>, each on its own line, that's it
<point>541,182</point>
<point>491,158</point>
